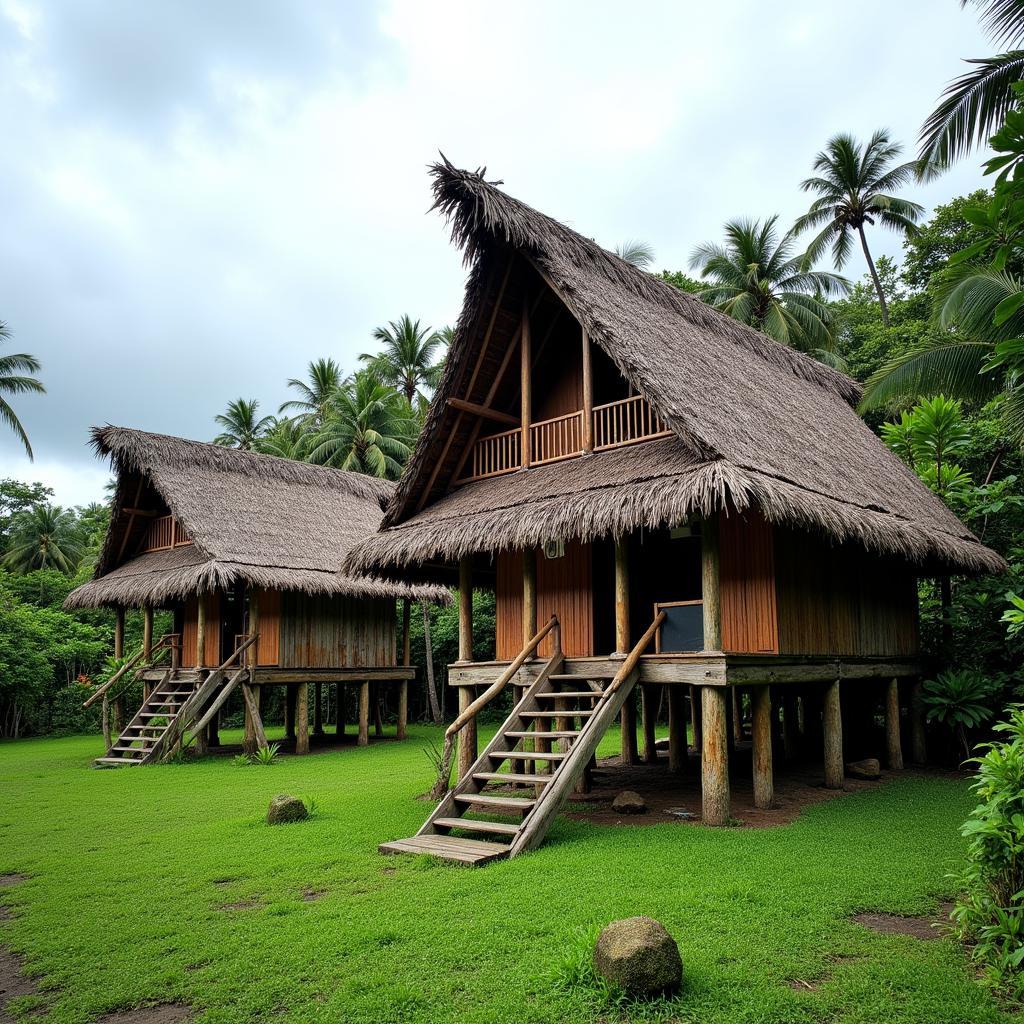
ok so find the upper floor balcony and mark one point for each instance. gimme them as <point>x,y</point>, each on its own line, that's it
<point>165,532</point>
<point>613,425</point>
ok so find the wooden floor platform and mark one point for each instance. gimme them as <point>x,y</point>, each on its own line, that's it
<point>465,851</point>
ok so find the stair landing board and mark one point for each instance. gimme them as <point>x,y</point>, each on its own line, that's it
<point>465,851</point>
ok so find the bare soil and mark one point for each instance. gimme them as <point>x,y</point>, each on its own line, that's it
<point>163,1013</point>
<point>12,879</point>
<point>14,983</point>
<point>312,895</point>
<point>249,904</point>
<point>929,927</point>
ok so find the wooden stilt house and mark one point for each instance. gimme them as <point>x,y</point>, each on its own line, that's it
<point>660,497</point>
<point>246,550</point>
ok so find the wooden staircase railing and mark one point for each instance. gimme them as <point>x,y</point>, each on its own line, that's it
<point>164,644</point>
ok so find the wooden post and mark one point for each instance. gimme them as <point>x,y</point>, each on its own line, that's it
<point>119,719</point>
<point>710,592</point>
<point>364,715</point>
<point>290,698</point>
<point>467,737</point>
<point>918,747</point>
<point>588,396</point>
<point>622,644</point>
<point>200,631</point>
<point>147,646</point>
<point>302,718</point>
<point>737,716</point>
<point>676,730</point>
<point>648,714</point>
<point>715,756</point>
<point>529,594</point>
<point>318,709</point>
<point>253,722</point>
<point>628,750</point>
<point>893,745</point>
<point>695,723</point>
<point>525,383</point>
<point>403,686</point>
<point>378,718</point>
<point>832,722</point>
<point>764,784</point>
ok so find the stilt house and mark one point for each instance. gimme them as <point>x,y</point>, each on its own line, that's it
<point>660,497</point>
<point>247,552</point>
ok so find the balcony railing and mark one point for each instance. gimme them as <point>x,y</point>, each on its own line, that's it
<point>165,532</point>
<point>615,425</point>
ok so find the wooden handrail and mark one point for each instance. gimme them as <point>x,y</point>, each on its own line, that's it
<point>502,681</point>
<point>239,650</point>
<point>129,664</point>
<point>634,655</point>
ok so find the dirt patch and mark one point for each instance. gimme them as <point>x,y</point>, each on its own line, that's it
<point>808,985</point>
<point>312,895</point>
<point>162,1013</point>
<point>14,983</point>
<point>249,904</point>
<point>928,927</point>
<point>12,879</point>
<point>390,871</point>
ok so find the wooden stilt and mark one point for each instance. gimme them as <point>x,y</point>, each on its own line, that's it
<point>648,714</point>
<point>318,709</point>
<point>250,695</point>
<point>676,730</point>
<point>213,730</point>
<point>832,723</point>
<point>737,715</point>
<point>918,746</point>
<point>715,756</point>
<point>627,719</point>
<point>894,747</point>
<point>378,715</point>
<point>364,715</point>
<point>764,783</point>
<point>290,697</point>
<point>403,686</point>
<point>302,718</point>
<point>467,736</point>
<point>695,718</point>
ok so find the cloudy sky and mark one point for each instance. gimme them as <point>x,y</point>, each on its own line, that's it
<point>201,197</point>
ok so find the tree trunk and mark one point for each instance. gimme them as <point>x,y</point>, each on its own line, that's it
<point>435,710</point>
<point>874,276</point>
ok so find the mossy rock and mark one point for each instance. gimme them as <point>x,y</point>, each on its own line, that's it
<point>639,956</point>
<point>285,809</point>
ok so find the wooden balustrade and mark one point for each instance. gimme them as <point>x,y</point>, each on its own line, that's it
<point>616,424</point>
<point>165,532</point>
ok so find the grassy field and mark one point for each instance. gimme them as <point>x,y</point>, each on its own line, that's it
<point>163,884</point>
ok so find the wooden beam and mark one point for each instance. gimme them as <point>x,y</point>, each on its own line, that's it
<point>302,718</point>
<point>709,560</point>
<point>894,747</point>
<point>676,730</point>
<point>832,722</point>
<point>761,714</point>
<point>364,715</point>
<point>588,395</point>
<point>483,411</point>
<point>466,608</point>
<point>525,387</point>
<point>252,715</point>
<point>715,756</point>
<point>131,520</point>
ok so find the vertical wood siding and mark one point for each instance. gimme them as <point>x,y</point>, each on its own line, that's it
<point>564,588</point>
<point>336,632</point>
<point>749,616</point>
<point>212,651</point>
<point>842,600</point>
<point>269,627</point>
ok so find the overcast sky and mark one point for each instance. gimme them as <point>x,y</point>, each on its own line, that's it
<point>201,196</point>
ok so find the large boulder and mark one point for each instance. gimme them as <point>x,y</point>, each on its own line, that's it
<point>868,768</point>
<point>629,802</point>
<point>285,809</point>
<point>639,956</point>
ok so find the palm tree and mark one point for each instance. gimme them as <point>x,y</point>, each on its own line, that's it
<point>242,429</point>
<point>44,537</point>
<point>324,379</point>
<point>973,105</point>
<point>13,381</point>
<point>369,428</point>
<point>407,362</point>
<point>855,187</point>
<point>640,254</point>
<point>757,279</point>
<point>286,438</point>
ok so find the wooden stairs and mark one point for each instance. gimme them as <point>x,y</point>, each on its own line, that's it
<point>515,789</point>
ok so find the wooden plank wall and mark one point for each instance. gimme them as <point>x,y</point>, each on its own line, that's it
<point>842,600</point>
<point>211,647</point>
<point>749,616</point>
<point>564,588</point>
<point>269,627</point>
<point>336,632</point>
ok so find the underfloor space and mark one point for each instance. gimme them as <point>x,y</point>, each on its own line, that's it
<point>678,797</point>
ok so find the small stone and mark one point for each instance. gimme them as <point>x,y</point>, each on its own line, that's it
<point>628,802</point>
<point>869,768</point>
<point>639,956</point>
<point>285,809</point>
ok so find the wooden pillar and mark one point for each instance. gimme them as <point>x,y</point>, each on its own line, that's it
<point>364,715</point>
<point>119,719</point>
<point>526,384</point>
<point>832,723</point>
<point>710,591</point>
<point>737,716</point>
<point>467,737</point>
<point>627,718</point>
<point>695,718</point>
<point>715,755</point>
<point>918,747</point>
<point>676,730</point>
<point>147,646</point>
<point>648,716</point>
<point>403,686</point>
<point>378,718</point>
<point>253,721</point>
<point>200,631</point>
<point>894,748</point>
<point>529,594</point>
<point>761,715</point>
<point>318,709</point>
<point>302,718</point>
<point>628,750</point>
<point>588,396</point>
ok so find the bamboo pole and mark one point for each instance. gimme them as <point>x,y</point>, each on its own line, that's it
<point>894,747</point>
<point>676,730</point>
<point>764,783</point>
<point>832,722</point>
<point>302,718</point>
<point>715,756</point>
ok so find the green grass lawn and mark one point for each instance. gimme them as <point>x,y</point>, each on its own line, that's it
<point>130,871</point>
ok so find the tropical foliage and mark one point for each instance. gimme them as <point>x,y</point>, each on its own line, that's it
<point>241,424</point>
<point>15,379</point>
<point>408,359</point>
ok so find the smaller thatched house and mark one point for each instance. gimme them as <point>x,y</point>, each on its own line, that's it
<point>247,552</point>
<point>661,498</point>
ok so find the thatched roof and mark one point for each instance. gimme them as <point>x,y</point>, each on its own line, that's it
<point>269,522</point>
<point>756,422</point>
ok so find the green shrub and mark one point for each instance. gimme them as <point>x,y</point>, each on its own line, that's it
<point>962,700</point>
<point>990,914</point>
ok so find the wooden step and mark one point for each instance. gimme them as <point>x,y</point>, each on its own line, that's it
<point>553,734</point>
<point>575,677</point>
<point>571,713</point>
<point>130,750</point>
<point>524,755</point>
<point>115,762</point>
<point>512,777</point>
<point>498,828</point>
<point>465,851</point>
<point>507,802</point>
<point>567,694</point>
